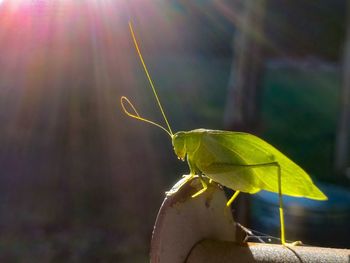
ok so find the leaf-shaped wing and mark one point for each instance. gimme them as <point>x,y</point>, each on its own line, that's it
<point>230,152</point>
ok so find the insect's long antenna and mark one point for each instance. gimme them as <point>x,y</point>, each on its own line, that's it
<point>137,116</point>
<point>149,78</point>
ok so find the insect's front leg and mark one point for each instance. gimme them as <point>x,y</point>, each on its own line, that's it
<point>204,184</point>
<point>193,171</point>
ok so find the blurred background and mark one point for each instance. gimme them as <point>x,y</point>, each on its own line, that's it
<point>82,182</point>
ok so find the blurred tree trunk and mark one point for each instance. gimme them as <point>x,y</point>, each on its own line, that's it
<point>242,111</point>
<point>343,131</point>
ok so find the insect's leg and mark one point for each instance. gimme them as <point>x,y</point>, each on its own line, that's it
<point>232,198</point>
<point>283,238</point>
<point>276,164</point>
<point>193,171</point>
<point>205,187</point>
<point>280,199</point>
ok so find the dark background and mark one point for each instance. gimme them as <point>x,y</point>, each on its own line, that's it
<point>82,182</point>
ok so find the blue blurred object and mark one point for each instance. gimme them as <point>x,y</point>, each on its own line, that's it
<point>321,223</point>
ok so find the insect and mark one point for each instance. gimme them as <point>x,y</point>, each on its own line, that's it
<point>240,161</point>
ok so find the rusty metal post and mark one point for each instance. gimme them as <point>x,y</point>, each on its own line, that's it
<point>183,221</point>
<point>202,229</point>
<point>210,251</point>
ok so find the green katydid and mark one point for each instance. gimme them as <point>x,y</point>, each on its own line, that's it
<point>237,160</point>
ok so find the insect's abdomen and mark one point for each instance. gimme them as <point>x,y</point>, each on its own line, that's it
<point>215,161</point>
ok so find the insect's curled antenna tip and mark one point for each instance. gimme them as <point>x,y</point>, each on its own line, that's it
<point>124,100</point>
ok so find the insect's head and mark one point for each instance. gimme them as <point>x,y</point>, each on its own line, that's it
<point>179,144</point>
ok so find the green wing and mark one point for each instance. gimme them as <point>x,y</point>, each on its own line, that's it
<point>225,157</point>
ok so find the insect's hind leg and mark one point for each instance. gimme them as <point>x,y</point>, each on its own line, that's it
<point>276,164</point>
<point>283,238</point>
<point>280,199</point>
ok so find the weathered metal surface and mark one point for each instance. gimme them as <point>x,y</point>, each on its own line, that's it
<point>210,251</point>
<point>202,230</point>
<point>183,221</point>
